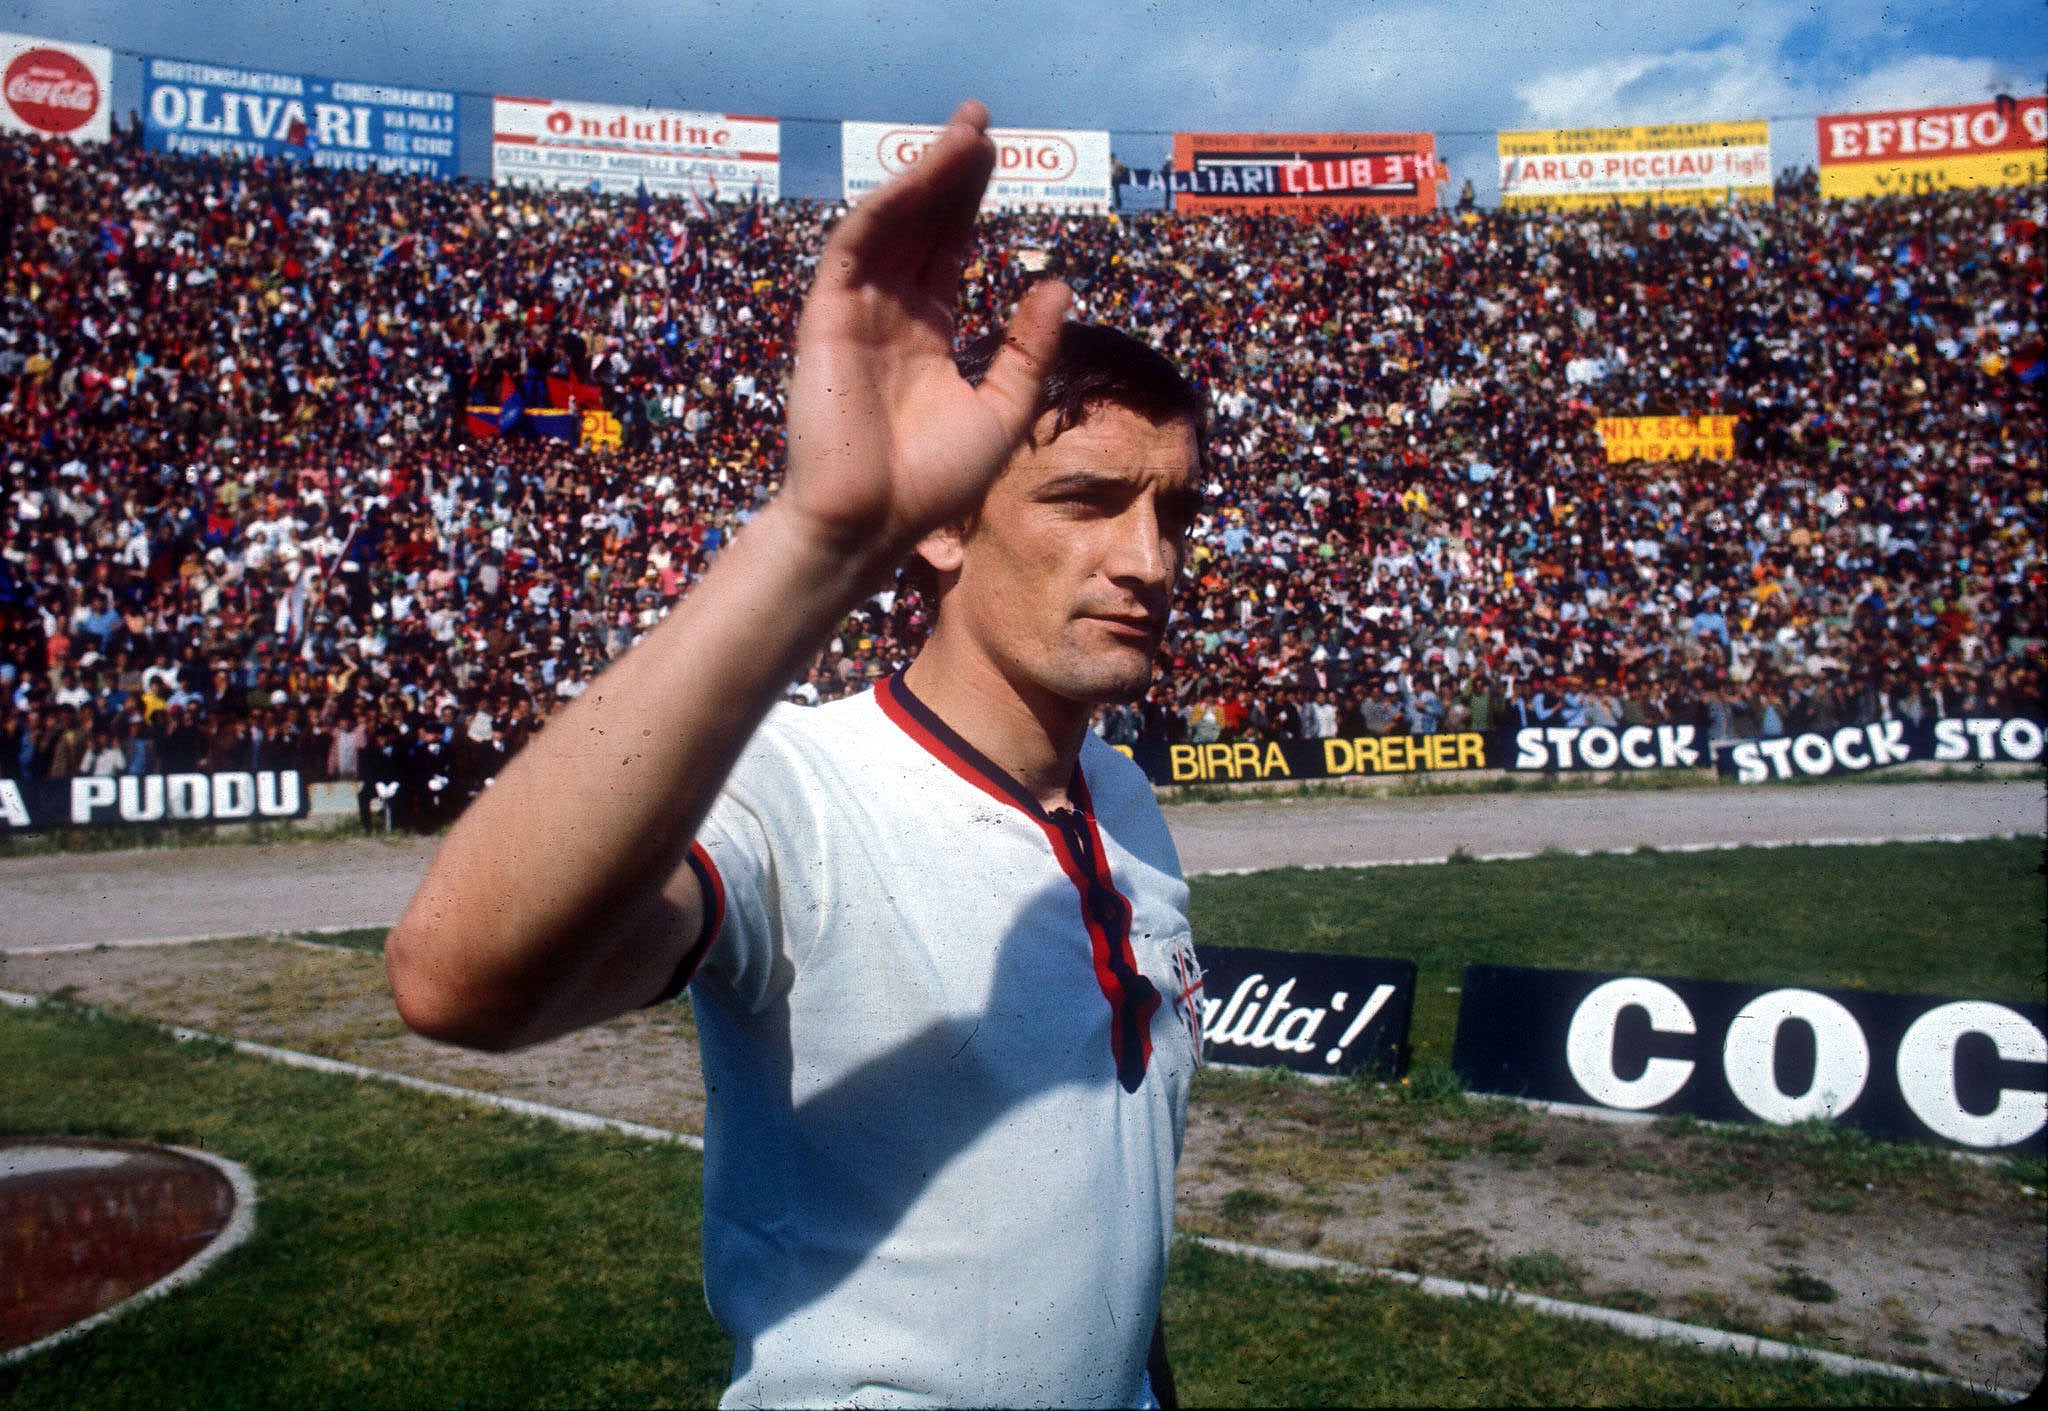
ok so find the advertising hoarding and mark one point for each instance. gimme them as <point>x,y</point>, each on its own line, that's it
<point>1037,169</point>
<point>1997,143</point>
<point>50,88</point>
<point>561,144</point>
<point>1679,164</point>
<point>218,110</point>
<point>1305,173</point>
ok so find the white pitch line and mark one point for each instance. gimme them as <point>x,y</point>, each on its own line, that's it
<point>240,1226</point>
<point>1523,856</point>
<point>291,1058</point>
<point>1636,1325</point>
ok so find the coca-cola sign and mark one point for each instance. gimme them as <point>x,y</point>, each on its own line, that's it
<point>53,89</point>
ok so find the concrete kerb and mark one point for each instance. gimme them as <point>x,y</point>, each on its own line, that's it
<point>1636,1325</point>
<point>291,1058</point>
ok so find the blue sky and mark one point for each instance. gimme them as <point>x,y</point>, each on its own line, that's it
<point>1138,69</point>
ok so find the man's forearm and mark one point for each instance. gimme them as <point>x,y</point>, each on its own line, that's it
<point>545,909</point>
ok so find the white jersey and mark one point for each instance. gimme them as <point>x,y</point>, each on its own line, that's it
<point>947,1041</point>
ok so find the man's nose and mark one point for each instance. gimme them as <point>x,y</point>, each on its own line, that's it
<point>1140,551</point>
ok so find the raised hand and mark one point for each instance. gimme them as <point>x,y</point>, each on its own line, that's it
<point>886,440</point>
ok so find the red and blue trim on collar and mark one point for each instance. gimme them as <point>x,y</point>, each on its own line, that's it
<point>1077,847</point>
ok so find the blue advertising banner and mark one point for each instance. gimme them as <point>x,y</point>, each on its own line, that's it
<point>214,110</point>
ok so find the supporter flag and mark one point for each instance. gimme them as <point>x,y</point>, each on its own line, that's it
<point>1738,259</point>
<point>511,408</point>
<point>2027,363</point>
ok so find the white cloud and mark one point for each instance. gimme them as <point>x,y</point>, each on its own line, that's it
<point>1927,80</point>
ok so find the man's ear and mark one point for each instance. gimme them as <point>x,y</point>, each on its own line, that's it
<point>944,548</point>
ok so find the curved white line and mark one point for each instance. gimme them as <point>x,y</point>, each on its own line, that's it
<point>240,1226</point>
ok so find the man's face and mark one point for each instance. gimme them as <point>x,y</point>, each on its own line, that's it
<point>1065,577</point>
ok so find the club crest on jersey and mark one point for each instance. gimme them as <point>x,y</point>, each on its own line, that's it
<point>1187,992</point>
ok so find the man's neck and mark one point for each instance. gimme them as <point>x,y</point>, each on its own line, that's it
<point>1032,736</point>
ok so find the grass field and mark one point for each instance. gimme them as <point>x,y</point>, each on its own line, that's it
<point>415,1251</point>
<point>1956,919</point>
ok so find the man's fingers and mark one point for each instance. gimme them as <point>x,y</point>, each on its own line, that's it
<point>920,211</point>
<point>1010,387</point>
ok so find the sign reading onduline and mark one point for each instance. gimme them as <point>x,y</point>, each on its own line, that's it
<point>1333,1014</point>
<point>1681,164</point>
<point>1036,169</point>
<point>217,110</point>
<point>563,145</point>
<point>2003,142</point>
<point>128,800</point>
<point>1305,173</point>
<point>1667,438</point>
<point>1966,1073</point>
<point>51,88</point>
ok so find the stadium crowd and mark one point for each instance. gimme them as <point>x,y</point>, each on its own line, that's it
<point>245,520</point>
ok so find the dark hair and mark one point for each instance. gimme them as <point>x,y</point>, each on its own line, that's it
<point>1092,367</point>
<point>1095,365</point>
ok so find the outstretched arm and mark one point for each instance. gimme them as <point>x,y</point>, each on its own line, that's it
<point>562,896</point>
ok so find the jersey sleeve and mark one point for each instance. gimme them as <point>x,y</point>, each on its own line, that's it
<point>739,859</point>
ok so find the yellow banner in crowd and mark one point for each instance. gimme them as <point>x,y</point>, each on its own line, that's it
<point>1668,438</point>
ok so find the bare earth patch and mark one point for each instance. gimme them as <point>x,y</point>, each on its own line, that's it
<point>1938,1264</point>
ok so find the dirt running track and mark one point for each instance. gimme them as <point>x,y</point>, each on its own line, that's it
<point>86,898</point>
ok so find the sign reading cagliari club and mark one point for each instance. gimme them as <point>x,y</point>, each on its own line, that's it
<point>2002,142</point>
<point>1679,164</point>
<point>1037,169</point>
<point>1305,173</point>
<point>51,88</point>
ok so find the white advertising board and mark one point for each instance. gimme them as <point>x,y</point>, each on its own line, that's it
<point>558,143</point>
<point>1036,169</point>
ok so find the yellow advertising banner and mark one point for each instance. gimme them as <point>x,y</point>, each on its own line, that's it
<point>601,430</point>
<point>1676,164</point>
<point>1934,149</point>
<point>1668,438</point>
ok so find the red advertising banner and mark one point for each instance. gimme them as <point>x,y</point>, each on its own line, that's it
<point>1305,173</point>
<point>1997,143</point>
